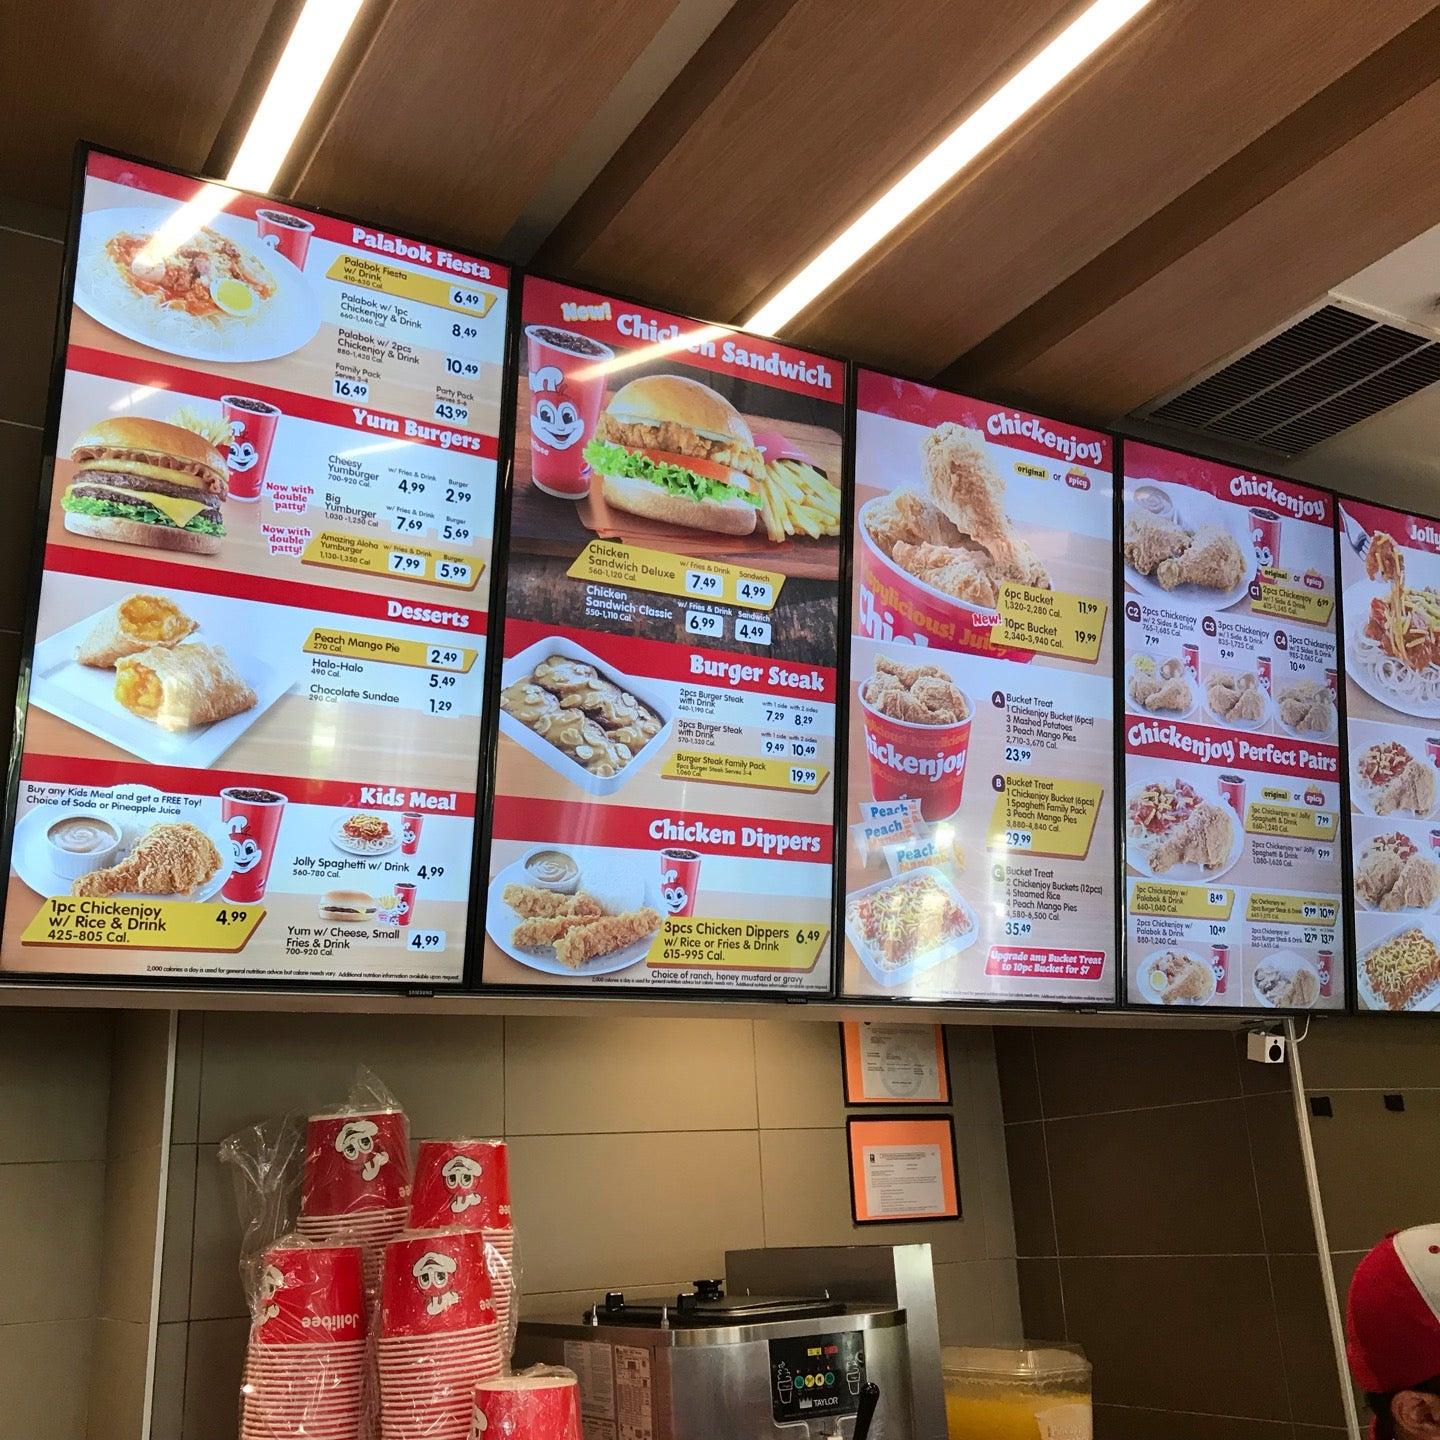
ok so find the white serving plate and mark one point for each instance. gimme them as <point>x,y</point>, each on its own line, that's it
<point>926,959</point>
<point>1194,509</point>
<point>1428,999</point>
<point>1291,962</point>
<point>1136,851</point>
<point>1152,995</point>
<point>1134,708</point>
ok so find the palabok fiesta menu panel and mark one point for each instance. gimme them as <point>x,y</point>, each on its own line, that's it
<point>1232,746</point>
<point>978,829</point>
<point>663,809</point>
<point>254,713</point>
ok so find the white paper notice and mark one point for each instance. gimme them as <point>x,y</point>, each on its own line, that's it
<point>903,1180</point>
<point>900,1062</point>
<point>595,1371</point>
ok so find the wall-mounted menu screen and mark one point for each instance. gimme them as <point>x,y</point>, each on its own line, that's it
<point>1232,757</point>
<point>979,836</point>
<point>1390,578</point>
<point>253,725</point>
<point>664,779</point>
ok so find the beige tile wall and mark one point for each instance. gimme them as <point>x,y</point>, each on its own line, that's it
<point>641,1150</point>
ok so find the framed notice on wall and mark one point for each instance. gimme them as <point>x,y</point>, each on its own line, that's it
<point>252,736</point>
<point>894,1064</point>
<point>978,831</point>
<point>664,800</point>
<point>1390,578</point>
<point>902,1169</point>
<point>1232,738</point>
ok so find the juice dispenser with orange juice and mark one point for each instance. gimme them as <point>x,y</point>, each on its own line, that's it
<point>1031,1392</point>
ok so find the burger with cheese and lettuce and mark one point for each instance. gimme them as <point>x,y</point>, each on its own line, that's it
<point>671,449</point>
<point>147,482</point>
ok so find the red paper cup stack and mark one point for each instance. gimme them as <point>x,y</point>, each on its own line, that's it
<point>438,1334</point>
<point>542,1404</point>
<point>305,1368</point>
<point>467,1183</point>
<point>356,1183</point>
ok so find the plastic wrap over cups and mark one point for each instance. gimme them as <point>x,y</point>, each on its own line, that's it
<point>542,1403</point>
<point>466,1183</point>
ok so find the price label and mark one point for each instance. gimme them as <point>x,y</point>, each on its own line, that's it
<point>407,525</point>
<point>410,486</point>
<point>444,657</point>
<point>1018,927</point>
<point>704,582</point>
<point>753,632</point>
<point>459,366</point>
<point>342,387</point>
<point>463,332</point>
<point>754,592</point>
<point>804,749</point>
<point>448,410</point>
<point>806,777</point>
<point>463,298</point>
<point>452,572</point>
<point>771,745</point>
<point>401,563</point>
<point>457,495</point>
<point>1018,839</point>
<point>703,622</point>
<point>425,940</point>
<point>1018,755</point>
<point>456,531</point>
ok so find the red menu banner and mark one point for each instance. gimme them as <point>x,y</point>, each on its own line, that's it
<point>664,782</point>
<point>251,743</point>
<point>1390,571</point>
<point>1232,745</point>
<point>979,834</point>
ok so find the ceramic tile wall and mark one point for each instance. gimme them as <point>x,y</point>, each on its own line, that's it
<point>641,1150</point>
<point>1162,1223</point>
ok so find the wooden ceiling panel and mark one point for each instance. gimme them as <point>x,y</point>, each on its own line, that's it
<point>1191,85</point>
<point>156,80</point>
<point>835,99</point>
<point>459,111</point>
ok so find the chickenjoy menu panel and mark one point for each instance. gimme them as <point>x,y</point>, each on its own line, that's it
<point>1232,756</point>
<point>979,824</point>
<point>1390,574</point>
<point>253,725</point>
<point>664,801</point>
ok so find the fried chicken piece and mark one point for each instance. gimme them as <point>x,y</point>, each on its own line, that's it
<point>1150,540</point>
<point>537,934</point>
<point>1174,695</point>
<point>1204,839</point>
<point>167,860</point>
<point>1418,885</point>
<point>1377,873</point>
<point>530,902</point>
<point>905,516</point>
<point>1307,708</point>
<point>963,574</point>
<point>605,936</point>
<point>1189,979</point>
<point>1413,789</point>
<point>1212,560</point>
<point>1235,697</point>
<point>921,694</point>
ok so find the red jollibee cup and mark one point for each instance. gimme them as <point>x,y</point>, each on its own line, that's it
<point>410,825</point>
<point>1220,964</point>
<point>1265,535</point>
<point>679,880</point>
<point>435,1283</point>
<point>1326,961</point>
<point>355,1161</point>
<point>1262,669</point>
<point>252,437</point>
<point>462,1182</point>
<point>405,894</point>
<point>286,234</point>
<point>310,1294</point>
<point>1190,653</point>
<point>567,388</point>
<point>1232,792</point>
<point>543,1404</point>
<point>920,762</point>
<point>251,815</point>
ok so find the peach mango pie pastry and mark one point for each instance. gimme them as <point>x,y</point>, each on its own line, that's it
<point>182,687</point>
<point>131,625</point>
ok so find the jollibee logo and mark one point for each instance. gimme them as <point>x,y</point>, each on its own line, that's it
<point>1262,550</point>
<point>461,1175</point>
<point>272,1282</point>
<point>246,853</point>
<point>675,895</point>
<point>356,1142</point>
<point>479,1425</point>
<point>554,419</point>
<point>242,454</point>
<point>432,1271</point>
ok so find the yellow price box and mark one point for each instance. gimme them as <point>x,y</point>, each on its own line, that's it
<point>1184,902</point>
<point>386,650</point>
<point>1044,816</point>
<point>1289,603</point>
<point>661,573</point>
<point>694,942</point>
<point>422,563</point>
<point>143,924</point>
<point>1292,822</point>
<point>1050,622</point>
<point>368,273</point>
<point>744,770</point>
<point>1292,909</point>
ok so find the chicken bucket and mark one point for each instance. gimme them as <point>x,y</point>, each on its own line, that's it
<point>914,761</point>
<point>894,605</point>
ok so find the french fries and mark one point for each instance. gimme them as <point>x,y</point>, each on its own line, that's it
<point>797,499</point>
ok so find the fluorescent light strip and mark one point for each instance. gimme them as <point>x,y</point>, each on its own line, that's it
<point>976,133</point>
<point>309,53</point>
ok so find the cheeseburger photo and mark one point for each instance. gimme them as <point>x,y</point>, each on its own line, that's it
<point>669,448</point>
<point>147,482</point>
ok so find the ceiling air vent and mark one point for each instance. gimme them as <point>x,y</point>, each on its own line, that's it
<point>1327,372</point>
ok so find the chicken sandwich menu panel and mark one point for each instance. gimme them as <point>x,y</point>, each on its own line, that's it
<point>979,833</point>
<point>1232,756</point>
<point>664,781</point>
<point>252,739</point>
<point>1390,578</point>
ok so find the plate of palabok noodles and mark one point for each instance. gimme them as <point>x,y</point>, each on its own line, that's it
<point>1393,644</point>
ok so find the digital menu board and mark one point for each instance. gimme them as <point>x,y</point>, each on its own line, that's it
<point>1232,756</point>
<point>979,831</point>
<point>664,775</point>
<point>1390,579</point>
<point>254,706</point>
